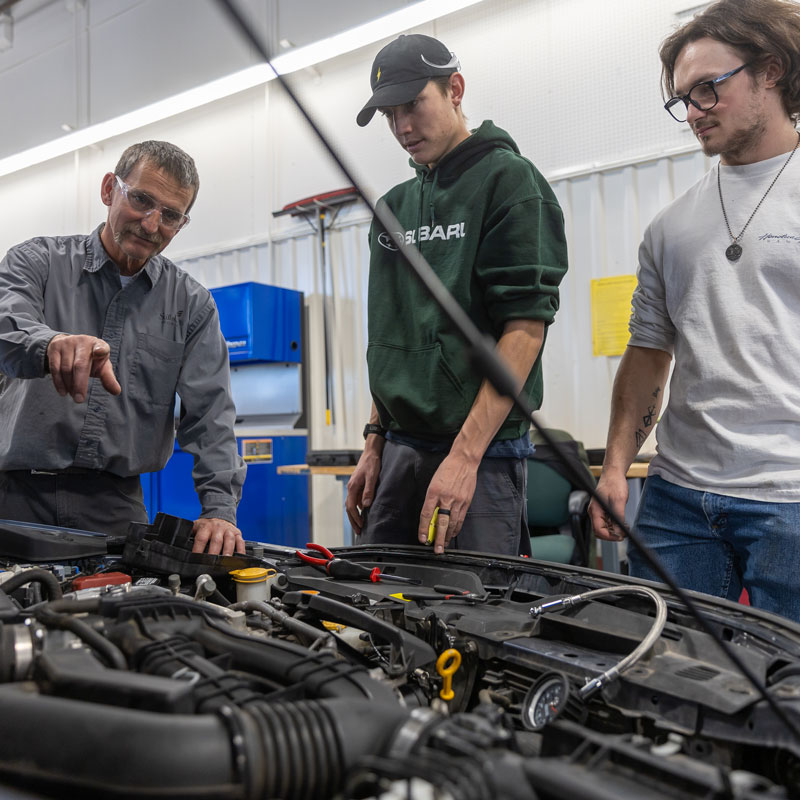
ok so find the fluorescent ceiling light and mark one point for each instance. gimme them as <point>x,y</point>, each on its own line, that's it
<point>369,32</point>
<point>299,58</point>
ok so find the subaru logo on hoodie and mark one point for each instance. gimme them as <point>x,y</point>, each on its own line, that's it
<point>389,240</point>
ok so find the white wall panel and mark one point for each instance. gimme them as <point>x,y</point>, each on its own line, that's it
<point>606,212</point>
<point>52,192</point>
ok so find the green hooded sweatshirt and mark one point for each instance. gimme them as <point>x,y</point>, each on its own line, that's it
<point>492,230</point>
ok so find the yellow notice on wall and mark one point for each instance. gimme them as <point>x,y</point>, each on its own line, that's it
<point>611,311</point>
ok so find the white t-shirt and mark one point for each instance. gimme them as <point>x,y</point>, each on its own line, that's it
<point>732,425</point>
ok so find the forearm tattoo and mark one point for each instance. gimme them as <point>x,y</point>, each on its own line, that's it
<point>648,419</point>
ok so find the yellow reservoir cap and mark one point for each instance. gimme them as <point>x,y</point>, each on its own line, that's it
<point>252,574</point>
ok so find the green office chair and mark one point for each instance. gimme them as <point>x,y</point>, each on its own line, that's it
<point>558,517</point>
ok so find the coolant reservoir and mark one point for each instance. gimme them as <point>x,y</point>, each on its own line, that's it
<point>253,583</point>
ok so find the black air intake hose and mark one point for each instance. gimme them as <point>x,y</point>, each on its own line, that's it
<point>110,653</point>
<point>48,581</point>
<point>297,751</point>
<point>316,743</point>
<point>319,674</point>
<point>316,674</point>
<point>79,745</point>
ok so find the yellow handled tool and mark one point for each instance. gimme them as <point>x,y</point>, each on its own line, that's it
<point>439,515</point>
<point>447,670</point>
<point>432,526</point>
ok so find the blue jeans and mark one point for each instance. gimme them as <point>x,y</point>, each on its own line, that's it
<point>719,545</point>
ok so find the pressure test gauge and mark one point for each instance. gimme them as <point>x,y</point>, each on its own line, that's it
<point>545,700</point>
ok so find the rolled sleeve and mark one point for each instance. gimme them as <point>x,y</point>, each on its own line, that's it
<point>650,324</point>
<point>522,260</point>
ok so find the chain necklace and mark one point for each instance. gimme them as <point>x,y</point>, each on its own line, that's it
<point>734,249</point>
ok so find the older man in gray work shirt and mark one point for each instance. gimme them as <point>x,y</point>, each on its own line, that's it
<point>105,320</point>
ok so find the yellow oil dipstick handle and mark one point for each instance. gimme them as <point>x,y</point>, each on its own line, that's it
<point>447,670</point>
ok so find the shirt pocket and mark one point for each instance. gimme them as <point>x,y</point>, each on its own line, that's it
<point>155,370</point>
<point>417,388</point>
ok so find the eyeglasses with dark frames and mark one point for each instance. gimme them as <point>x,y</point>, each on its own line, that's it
<point>703,96</point>
<point>142,203</point>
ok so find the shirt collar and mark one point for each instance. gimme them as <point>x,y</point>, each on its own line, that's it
<point>97,257</point>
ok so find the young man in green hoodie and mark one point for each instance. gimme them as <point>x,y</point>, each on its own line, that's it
<point>439,437</point>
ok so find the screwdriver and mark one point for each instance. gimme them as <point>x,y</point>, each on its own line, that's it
<point>342,569</point>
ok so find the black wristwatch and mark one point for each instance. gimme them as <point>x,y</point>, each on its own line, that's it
<point>371,427</point>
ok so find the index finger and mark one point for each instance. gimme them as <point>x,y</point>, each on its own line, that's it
<point>108,379</point>
<point>81,367</point>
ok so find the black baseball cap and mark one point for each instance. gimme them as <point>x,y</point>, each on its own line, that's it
<point>402,69</point>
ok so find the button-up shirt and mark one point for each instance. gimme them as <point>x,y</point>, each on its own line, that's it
<point>164,333</point>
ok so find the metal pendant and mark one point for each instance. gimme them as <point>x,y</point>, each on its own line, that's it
<point>734,252</point>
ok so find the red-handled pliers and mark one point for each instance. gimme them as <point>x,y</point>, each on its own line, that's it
<point>340,568</point>
<point>319,562</point>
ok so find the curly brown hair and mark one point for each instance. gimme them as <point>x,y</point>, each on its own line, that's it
<point>759,30</point>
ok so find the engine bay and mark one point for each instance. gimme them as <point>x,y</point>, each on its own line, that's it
<point>130,666</point>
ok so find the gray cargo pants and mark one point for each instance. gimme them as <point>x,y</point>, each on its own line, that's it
<point>497,520</point>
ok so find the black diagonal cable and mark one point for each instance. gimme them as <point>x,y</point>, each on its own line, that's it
<point>482,353</point>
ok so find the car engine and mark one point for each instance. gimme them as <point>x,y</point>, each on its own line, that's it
<point>130,666</point>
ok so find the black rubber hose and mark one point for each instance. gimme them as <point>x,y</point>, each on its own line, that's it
<point>784,672</point>
<point>35,575</point>
<point>90,605</point>
<point>310,746</point>
<point>319,673</point>
<point>297,751</point>
<point>114,751</point>
<point>110,653</point>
